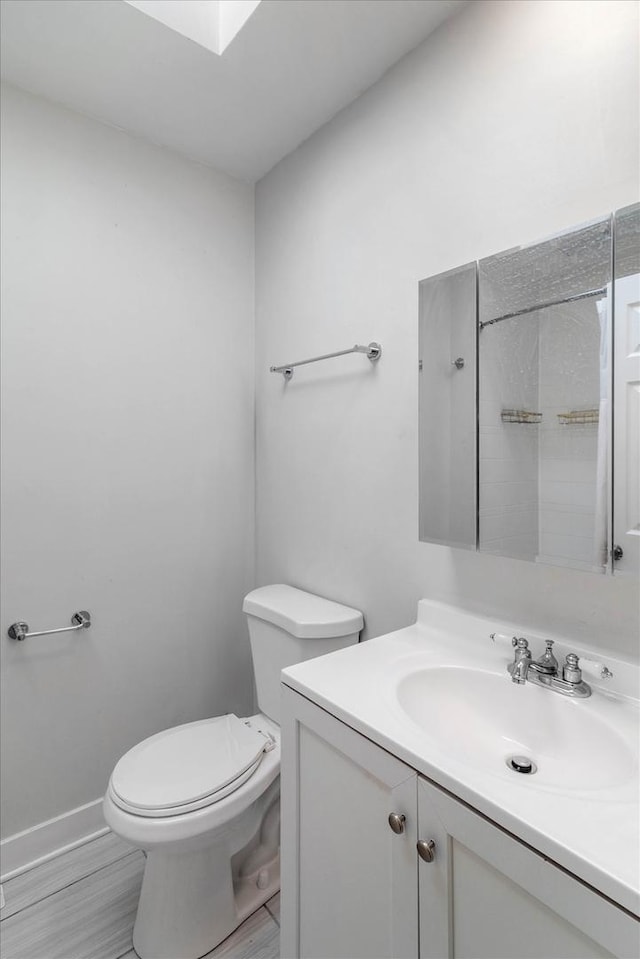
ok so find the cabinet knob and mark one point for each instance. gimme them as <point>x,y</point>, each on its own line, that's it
<point>426,849</point>
<point>397,822</point>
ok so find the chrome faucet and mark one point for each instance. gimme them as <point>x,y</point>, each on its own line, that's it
<point>545,671</point>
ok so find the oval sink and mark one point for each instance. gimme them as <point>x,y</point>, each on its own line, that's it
<point>482,718</point>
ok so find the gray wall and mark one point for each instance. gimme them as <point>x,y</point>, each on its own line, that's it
<point>127,427</point>
<point>511,122</point>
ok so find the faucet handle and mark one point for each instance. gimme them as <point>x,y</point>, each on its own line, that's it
<point>521,661</point>
<point>571,672</point>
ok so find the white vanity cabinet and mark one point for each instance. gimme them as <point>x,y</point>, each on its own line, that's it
<point>487,895</point>
<point>352,888</point>
<point>349,883</point>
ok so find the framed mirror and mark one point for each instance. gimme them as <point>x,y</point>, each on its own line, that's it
<point>518,405</point>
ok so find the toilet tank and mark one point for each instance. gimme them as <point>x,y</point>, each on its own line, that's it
<point>288,626</point>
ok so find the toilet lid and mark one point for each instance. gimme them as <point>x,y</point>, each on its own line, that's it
<point>189,763</point>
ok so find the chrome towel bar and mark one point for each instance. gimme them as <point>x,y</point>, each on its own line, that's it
<point>79,620</point>
<point>373,351</point>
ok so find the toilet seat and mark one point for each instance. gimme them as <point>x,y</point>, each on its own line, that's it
<point>188,767</point>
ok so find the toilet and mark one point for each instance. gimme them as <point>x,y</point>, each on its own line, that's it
<point>202,799</point>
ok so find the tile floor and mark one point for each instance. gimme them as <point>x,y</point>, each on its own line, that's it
<point>82,905</point>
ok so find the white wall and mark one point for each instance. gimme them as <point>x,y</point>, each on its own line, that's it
<point>513,121</point>
<point>128,448</point>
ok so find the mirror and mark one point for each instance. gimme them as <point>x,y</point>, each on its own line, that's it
<point>517,400</point>
<point>447,344</point>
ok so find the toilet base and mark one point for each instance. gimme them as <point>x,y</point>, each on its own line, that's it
<point>194,894</point>
<point>175,918</point>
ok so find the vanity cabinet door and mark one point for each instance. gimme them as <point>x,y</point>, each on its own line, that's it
<point>486,895</point>
<point>349,882</point>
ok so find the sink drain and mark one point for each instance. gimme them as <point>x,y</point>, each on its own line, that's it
<point>521,764</point>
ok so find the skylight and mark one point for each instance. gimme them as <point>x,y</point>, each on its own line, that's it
<point>211,23</point>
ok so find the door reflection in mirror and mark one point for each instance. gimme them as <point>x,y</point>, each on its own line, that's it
<point>626,393</point>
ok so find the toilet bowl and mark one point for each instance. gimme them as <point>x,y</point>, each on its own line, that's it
<point>194,843</point>
<point>202,799</point>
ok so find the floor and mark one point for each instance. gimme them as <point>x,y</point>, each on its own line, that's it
<point>82,905</point>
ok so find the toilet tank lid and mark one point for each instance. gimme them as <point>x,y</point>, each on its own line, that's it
<point>304,615</point>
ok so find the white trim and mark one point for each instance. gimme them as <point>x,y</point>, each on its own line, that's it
<point>36,845</point>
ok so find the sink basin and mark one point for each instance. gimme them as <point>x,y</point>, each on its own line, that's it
<point>482,718</point>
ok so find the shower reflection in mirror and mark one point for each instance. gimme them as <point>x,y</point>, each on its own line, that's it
<point>516,451</point>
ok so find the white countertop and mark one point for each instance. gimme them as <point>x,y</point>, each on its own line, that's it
<point>592,832</point>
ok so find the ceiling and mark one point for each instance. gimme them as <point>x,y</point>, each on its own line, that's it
<point>293,66</point>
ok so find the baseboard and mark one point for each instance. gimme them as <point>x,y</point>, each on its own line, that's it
<point>33,846</point>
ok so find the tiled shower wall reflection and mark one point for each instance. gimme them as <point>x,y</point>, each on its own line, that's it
<point>538,481</point>
<point>508,495</point>
<point>569,380</point>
